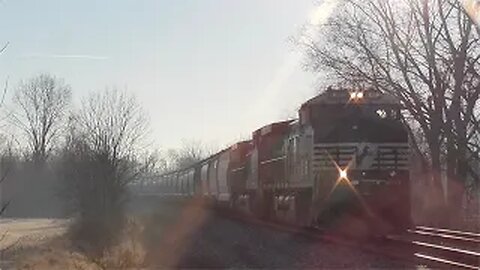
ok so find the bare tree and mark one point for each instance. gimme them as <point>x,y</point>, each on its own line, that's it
<point>4,170</point>
<point>5,165</point>
<point>8,163</point>
<point>102,156</point>
<point>190,152</point>
<point>426,53</point>
<point>41,104</point>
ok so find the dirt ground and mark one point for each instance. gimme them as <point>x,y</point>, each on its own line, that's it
<point>35,244</point>
<point>38,244</point>
<point>27,232</point>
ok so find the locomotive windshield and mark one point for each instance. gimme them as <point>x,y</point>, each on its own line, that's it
<point>342,111</point>
<point>378,112</point>
<point>356,123</point>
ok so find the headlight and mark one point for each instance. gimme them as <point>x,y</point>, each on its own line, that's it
<point>356,95</point>
<point>343,174</point>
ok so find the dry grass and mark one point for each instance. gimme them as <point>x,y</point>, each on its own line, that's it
<point>162,233</point>
<point>55,254</point>
<point>130,253</point>
<point>60,253</point>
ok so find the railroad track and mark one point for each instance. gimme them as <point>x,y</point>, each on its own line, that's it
<point>379,247</point>
<point>442,248</point>
<point>421,246</point>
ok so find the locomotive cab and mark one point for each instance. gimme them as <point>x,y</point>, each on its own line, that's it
<point>360,156</point>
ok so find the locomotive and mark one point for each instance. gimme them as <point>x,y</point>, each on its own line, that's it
<point>343,162</point>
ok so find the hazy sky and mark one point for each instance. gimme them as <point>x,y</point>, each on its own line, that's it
<point>205,69</point>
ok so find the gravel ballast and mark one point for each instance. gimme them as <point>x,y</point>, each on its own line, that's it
<point>188,236</point>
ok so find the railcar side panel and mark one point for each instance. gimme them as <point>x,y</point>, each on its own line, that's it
<point>191,185</point>
<point>252,166</point>
<point>212,178</point>
<point>222,173</point>
<point>204,180</point>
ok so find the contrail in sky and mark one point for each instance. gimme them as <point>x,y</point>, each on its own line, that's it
<point>66,56</point>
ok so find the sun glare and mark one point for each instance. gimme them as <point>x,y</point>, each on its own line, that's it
<point>317,16</point>
<point>473,9</point>
<point>322,12</point>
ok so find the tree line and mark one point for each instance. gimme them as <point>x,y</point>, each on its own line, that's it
<point>80,159</point>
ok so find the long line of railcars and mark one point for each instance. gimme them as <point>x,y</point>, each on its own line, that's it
<point>345,156</point>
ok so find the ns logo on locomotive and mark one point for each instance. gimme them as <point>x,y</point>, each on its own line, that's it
<point>343,162</point>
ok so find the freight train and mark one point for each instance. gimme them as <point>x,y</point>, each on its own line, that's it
<point>343,162</point>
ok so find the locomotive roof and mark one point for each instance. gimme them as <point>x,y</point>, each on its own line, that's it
<point>238,144</point>
<point>271,127</point>
<point>342,96</point>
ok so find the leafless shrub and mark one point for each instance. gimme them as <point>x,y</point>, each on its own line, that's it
<point>102,155</point>
<point>129,253</point>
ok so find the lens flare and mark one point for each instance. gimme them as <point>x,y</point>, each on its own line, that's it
<point>343,177</point>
